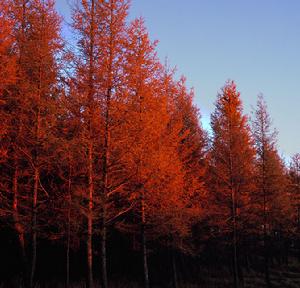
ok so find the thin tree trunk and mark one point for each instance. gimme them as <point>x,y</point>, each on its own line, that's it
<point>144,243</point>
<point>175,276</point>
<point>266,261</point>
<point>234,224</point>
<point>36,168</point>
<point>90,149</point>
<point>35,193</point>
<point>235,256</point>
<point>68,253</point>
<point>266,252</point>
<point>18,227</point>
<point>104,235</point>
<point>90,254</point>
<point>105,187</point>
<point>233,215</point>
<point>90,220</point>
<point>104,260</point>
<point>104,230</point>
<point>34,226</point>
<point>68,231</point>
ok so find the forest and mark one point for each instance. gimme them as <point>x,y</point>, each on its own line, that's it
<point>107,177</point>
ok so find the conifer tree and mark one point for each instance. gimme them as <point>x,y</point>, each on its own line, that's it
<point>141,66</point>
<point>270,200</point>
<point>231,165</point>
<point>294,175</point>
<point>7,76</point>
<point>11,108</point>
<point>113,178</point>
<point>32,98</point>
<point>86,20</point>
<point>101,28</point>
<point>39,72</point>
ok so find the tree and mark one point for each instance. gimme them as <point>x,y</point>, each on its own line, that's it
<point>141,67</point>
<point>294,174</point>
<point>270,198</point>
<point>231,167</point>
<point>10,113</point>
<point>7,72</point>
<point>7,76</point>
<point>294,190</point>
<point>69,177</point>
<point>190,140</point>
<point>31,102</point>
<point>162,126</point>
<point>101,26</point>
<point>113,178</point>
<point>86,23</point>
<point>265,140</point>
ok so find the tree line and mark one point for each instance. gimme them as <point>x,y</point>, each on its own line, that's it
<point>100,136</point>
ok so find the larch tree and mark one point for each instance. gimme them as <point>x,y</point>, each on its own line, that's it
<point>141,66</point>
<point>86,22</point>
<point>270,198</point>
<point>11,101</point>
<point>156,133</point>
<point>112,39</point>
<point>7,79</point>
<point>7,72</point>
<point>294,190</point>
<point>280,208</point>
<point>101,28</point>
<point>69,170</point>
<point>42,45</point>
<point>265,140</point>
<point>32,103</point>
<point>189,140</point>
<point>294,175</point>
<point>231,166</point>
<point>192,148</point>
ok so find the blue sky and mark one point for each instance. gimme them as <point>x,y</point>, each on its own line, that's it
<point>254,42</point>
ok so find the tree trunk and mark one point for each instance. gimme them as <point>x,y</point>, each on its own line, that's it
<point>104,260</point>
<point>144,243</point>
<point>90,283</point>
<point>105,183</point>
<point>90,220</point>
<point>34,226</point>
<point>266,248</point>
<point>90,149</point>
<point>175,277</point>
<point>68,254</point>
<point>104,228</point>
<point>266,263</point>
<point>104,194</point>
<point>233,216</point>
<point>234,240</point>
<point>68,231</point>
<point>235,259</point>
<point>18,227</point>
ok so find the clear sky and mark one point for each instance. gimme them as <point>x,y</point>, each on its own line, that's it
<point>254,42</point>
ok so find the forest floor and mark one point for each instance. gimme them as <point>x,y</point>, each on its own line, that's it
<point>281,276</point>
